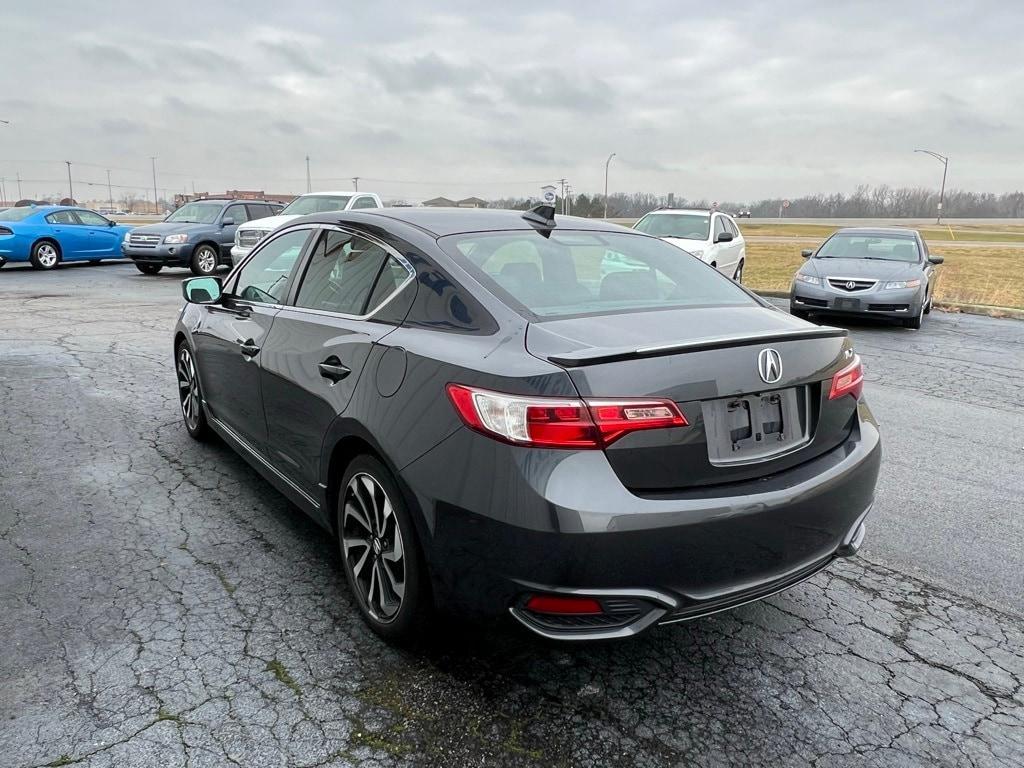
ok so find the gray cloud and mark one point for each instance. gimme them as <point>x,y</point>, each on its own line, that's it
<point>734,102</point>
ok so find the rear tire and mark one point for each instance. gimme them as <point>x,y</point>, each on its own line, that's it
<point>45,255</point>
<point>380,552</point>
<point>148,269</point>
<point>93,262</point>
<point>204,260</point>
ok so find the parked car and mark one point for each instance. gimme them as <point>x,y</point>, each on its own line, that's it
<point>489,427</point>
<point>744,214</point>
<point>198,235</point>
<point>882,272</point>
<point>247,235</point>
<point>711,236</point>
<point>47,235</point>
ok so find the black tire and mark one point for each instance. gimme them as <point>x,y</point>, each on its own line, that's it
<point>149,269</point>
<point>45,255</point>
<point>928,306</point>
<point>738,274</point>
<point>800,313</point>
<point>914,322</point>
<point>93,262</point>
<point>373,553</point>
<point>190,396</point>
<point>204,260</point>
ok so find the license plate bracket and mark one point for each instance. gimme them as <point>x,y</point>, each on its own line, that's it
<point>755,427</point>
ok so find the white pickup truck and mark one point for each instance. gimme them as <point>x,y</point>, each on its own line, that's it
<point>251,232</point>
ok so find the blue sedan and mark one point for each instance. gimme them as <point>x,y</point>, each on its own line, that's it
<point>46,235</point>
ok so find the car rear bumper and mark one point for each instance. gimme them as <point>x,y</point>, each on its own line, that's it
<point>891,303</point>
<point>165,255</point>
<point>554,522</point>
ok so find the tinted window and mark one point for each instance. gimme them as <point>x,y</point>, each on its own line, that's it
<point>258,211</point>
<point>576,273</point>
<point>341,274</point>
<point>364,202</point>
<point>197,213</point>
<point>883,248</point>
<point>62,217</point>
<point>266,276</point>
<point>691,226</point>
<point>92,219</point>
<point>236,212</point>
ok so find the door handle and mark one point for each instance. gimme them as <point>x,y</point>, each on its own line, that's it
<point>248,348</point>
<point>332,368</point>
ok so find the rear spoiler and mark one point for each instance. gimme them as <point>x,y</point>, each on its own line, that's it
<point>595,355</point>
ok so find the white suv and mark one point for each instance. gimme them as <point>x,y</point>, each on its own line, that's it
<point>711,236</point>
<point>250,233</point>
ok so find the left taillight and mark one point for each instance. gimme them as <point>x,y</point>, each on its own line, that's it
<point>6,231</point>
<point>555,422</point>
<point>848,381</point>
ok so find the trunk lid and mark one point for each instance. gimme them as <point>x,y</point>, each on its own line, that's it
<point>706,360</point>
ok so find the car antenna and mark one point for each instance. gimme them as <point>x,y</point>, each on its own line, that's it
<point>542,217</point>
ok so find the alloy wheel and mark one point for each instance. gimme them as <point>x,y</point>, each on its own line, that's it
<point>188,388</point>
<point>373,548</point>
<point>46,255</point>
<point>207,260</point>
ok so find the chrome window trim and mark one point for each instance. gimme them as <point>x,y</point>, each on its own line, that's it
<point>392,253</point>
<point>233,274</point>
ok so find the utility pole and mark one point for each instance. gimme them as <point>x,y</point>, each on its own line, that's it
<point>110,191</point>
<point>568,199</point>
<point>71,192</point>
<point>942,192</point>
<point>3,192</point>
<point>156,201</point>
<point>606,164</point>
<point>355,183</point>
<point>309,182</point>
<point>561,183</point>
<point>17,175</point>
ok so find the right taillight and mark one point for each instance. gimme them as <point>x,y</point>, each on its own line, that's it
<point>848,381</point>
<point>556,422</point>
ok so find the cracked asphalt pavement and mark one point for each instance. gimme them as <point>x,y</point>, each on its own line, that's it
<point>161,605</point>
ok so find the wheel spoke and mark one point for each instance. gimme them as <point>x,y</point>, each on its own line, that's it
<point>351,510</point>
<point>397,552</point>
<point>397,586</point>
<point>357,568</point>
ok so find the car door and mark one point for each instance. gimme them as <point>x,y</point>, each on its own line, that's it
<point>102,239</point>
<point>230,336</point>
<point>719,251</point>
<point>235,214</point>
<point>737,248</point>
<point>319,345</point>
<point>69,234</point>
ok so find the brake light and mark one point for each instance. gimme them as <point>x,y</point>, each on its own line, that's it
<point>555,422</point>
<point>848,381</point>
<point>6,231</point>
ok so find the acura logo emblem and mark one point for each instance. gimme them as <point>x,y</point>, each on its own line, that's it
<point>769,365</point>
<point>851,285</point>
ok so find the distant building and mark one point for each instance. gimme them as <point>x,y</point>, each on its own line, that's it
<point>439,202</point>
<point>472,202</point>
<point>239,194</point>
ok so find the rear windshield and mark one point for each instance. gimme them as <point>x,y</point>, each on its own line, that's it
<point>688,226</point>
<point>307,204</point>
<point>842,246</point>
<point>589,273</point>
<point>17,214</point>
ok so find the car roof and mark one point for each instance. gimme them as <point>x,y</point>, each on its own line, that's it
<point>880,231</point>
<point>440,222</point>
<point>685,210</point>
<point>348,192</point>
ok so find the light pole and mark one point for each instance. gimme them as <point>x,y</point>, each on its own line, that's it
<point>110,192</point>
<point>606,164</point>
<point>156,201</point>
<point>309,183</point>
<point>355,183</point>
<point>945,167</point>
<point>71,192</point>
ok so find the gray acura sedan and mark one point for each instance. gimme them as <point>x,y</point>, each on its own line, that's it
<point>557,419</point>
<point>885,272</point>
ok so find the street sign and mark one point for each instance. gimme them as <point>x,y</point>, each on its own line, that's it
<point>714,206</point>
<point>547,194</point>
<point>785,203</point>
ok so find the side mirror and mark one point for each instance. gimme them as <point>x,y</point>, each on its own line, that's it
<point>807,253</point>
<point>227,222</point>
<point>724,237</point>
<point>111,223</point>
<point>201,290</point>
<point>935,259</point>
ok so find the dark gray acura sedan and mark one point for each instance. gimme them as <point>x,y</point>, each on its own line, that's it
<point>559,419</point>
<point>884,272</point>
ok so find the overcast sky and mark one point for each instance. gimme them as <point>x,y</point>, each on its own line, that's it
<point>731,101</point>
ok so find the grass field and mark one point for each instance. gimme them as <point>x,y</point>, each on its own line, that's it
<point>974,275</point>
<point>981,232</point>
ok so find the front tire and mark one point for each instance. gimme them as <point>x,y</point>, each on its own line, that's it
<point>204,261</point>
<point>738,274</point>
<point>190,396</point>
<point>379,552</point>
<point>45,255</point>
<point>800,314</point>
<point>914,323</point>
<point>148,269</point>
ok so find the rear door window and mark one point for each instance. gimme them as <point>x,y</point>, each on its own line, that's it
<point>364,202</point>
<point>341,274</point>
<point>62,217</point>
<point>584,273</point>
